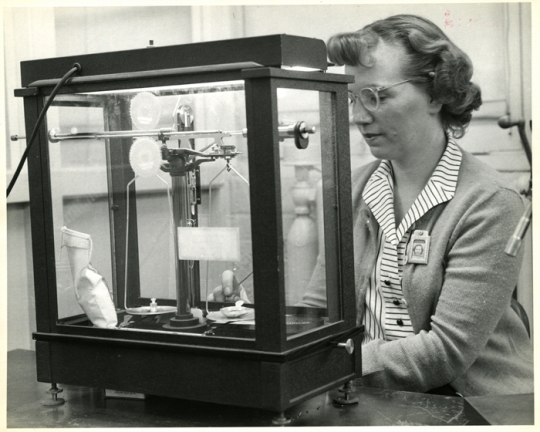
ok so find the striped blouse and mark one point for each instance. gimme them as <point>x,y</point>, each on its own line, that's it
<point>386,315</point>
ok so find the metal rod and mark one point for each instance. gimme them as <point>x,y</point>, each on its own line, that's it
<point>243,280</point>
<point>55,135</point>
<point>181,216</point>
<point>514,243</point>
<point>287,131</point>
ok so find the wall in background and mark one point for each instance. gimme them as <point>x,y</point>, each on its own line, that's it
<point>500,52</point>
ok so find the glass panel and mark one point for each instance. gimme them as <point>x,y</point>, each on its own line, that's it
<point>80,202</point>
<point>161,173</point>
<point>303,215</point>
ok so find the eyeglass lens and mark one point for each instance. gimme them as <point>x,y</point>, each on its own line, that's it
<point>368,97</point>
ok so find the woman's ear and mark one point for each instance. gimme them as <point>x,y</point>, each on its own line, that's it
<point>434,106</point>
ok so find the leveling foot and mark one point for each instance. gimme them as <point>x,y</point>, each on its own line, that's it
<point>346,399</point>
<point>281,420</point>
<point>55,401</point>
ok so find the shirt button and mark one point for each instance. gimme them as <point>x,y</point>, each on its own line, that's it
<point>400,302</point>
<point>400,322</point>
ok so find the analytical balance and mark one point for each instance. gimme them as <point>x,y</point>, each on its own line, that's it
<point>157,173</point>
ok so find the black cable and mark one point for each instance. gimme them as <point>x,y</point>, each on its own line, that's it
<point>76,68</point>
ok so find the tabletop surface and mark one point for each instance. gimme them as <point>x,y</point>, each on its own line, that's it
<point>88,407</point>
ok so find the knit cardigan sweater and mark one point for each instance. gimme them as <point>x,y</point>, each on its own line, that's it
<point>466,333</point>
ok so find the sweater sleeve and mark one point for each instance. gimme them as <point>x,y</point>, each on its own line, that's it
<point>477,284</point>
<point>315,294</point>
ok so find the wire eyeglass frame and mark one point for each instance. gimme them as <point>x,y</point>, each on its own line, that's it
<point>369,96</point>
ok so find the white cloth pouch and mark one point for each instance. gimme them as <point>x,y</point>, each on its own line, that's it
<point>91,290</point>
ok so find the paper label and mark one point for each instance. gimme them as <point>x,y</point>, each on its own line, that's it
<point>209,244</point>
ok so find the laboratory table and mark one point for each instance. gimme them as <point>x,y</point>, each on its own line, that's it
<point>89,408</point>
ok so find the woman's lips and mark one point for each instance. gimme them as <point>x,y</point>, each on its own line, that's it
<point>370,136</point>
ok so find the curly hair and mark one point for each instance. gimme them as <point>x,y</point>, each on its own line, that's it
<point>434,61</point>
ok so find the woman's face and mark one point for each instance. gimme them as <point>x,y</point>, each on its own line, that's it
<point>405,122</point>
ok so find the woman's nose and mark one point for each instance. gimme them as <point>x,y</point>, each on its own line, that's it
<point>360,115</point>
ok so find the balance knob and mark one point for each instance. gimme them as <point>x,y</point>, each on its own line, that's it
<point>347,345</point>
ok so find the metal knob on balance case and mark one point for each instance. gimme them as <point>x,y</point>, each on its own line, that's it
<point>299,130</point>
<point>348,345</point>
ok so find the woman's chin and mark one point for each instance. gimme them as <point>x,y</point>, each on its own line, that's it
<point>379,152</point>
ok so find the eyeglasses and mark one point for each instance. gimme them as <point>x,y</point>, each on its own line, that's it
<point>369,96</point>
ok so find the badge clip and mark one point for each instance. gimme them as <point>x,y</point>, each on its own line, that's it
<point>419,247</point>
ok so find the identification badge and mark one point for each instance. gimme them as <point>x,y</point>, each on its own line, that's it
<point>419,247</point>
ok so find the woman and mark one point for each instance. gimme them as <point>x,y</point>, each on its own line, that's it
<point>434,285</point>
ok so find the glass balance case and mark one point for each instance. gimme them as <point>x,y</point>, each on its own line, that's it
<point>163,173</point>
